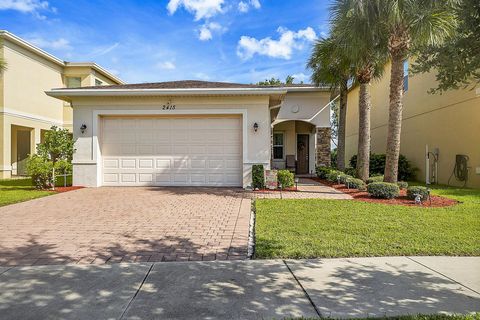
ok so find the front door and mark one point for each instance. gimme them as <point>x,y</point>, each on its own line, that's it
<point>302,153</point>
<point>23,150</point>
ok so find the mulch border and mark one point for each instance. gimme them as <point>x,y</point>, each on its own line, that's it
<point>363,196</point>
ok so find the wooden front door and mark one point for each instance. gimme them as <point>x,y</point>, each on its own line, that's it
<point>302,153</point>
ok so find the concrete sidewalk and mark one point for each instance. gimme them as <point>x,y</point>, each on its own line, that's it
<point>262,289</point>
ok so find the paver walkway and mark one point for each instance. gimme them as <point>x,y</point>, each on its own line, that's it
<point>261,289</point>
<point>307,189</point>
<point>108,225</point>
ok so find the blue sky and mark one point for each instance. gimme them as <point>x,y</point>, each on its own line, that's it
<point>146,41</point>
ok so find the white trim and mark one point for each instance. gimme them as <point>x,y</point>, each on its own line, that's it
<point>6,168</point>
<point>30,116</point>
<point>96,154</point>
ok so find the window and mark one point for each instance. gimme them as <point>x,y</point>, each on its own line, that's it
<point>98,82</point>
<point>74,82</point>
<point>278,145</point>
<point>405,75</point>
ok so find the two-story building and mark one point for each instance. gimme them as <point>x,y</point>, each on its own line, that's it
<point>26,112</point>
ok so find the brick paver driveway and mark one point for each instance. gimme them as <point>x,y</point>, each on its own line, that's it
<point>108,225</point>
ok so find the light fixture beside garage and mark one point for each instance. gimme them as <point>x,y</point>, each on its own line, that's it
<point>83,128</point>
<point>255,127</point>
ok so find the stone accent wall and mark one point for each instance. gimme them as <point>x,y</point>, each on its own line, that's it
<point>323,147</point>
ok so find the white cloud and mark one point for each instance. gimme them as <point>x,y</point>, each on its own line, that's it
<point>281,48</point>
<point>299,77</point>
<point>202,9</point>
<point>244,7</point>
<point>166,65</point>
<point>59,44</point>
<point>27,6</point>
<point>206,31</point>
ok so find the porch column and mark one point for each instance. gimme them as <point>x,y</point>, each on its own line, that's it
<point>323,146</point>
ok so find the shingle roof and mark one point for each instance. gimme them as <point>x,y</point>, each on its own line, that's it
<point>190,84</point>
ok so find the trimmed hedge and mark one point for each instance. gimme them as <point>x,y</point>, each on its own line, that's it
<point>402,185</point>
<point>323,171</point>
<point>375,179</point>
<point>258,177</point>
<point>412,191</point>
<point>356,184</point>
<point>285,178</point>
<point>332,176</point>
<point>377,166</point>
<point>351,172</point>
<point>383,190</point>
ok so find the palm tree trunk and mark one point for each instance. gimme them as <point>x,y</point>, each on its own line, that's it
<point>363,157</point>
<point>342,123</point>
<point>394,120</point>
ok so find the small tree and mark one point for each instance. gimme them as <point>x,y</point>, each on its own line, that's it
<point>58,146</point>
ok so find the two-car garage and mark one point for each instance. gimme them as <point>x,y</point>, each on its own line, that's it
<point>171,150</point>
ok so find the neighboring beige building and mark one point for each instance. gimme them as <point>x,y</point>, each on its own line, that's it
<point>195,133</point>
<point>25,110</point>
<point>448,122</point>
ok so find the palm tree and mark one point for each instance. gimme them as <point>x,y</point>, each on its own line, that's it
<point>350,23</point>
<point>409,25</point>
<point>330,66</point>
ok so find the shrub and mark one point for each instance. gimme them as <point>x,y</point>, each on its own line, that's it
<point>342,177</point>
<point>258,176</point>
<point>332,176</point>
<point>412,191</point>
<point>402,185</point>
<point>285,178</point>
<point>63,167</point>
<point>351,171</point>
<point>356,184</point>
<point>383,190</point>
<point>377,166</point>
<point>323,171</point>
<point>375,179</point>
<point>41,171</point>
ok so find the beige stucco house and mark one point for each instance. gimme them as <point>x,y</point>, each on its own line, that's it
<point>448,124</point>
<point>25,110</point>
<point>194,133</point>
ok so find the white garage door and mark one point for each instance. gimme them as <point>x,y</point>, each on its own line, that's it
<point>173,151</point>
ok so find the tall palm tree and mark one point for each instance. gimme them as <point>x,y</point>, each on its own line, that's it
<point>409,25</point>
<point>350,23</point>
<point>331,67</point>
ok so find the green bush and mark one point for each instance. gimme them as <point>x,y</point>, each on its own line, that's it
<point>383,190</point>
<point>342,177</point>
<point>258,176</point>
<point>356,184</point>
<point>63,167</point>
<point>322,171</point>
<point>285,178</point>
<point>333,175</point>
<point>402,185</point>
<point>375,179</point>
<point>377,166</point>
<point>412,191</point>
<point>351,171</point>
<point>41,172</point>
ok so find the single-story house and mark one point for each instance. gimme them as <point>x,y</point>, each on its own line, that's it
<point>194,133</point>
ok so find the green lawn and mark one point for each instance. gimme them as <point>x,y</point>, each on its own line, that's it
<point>345,228</point>
<point>18,190</point>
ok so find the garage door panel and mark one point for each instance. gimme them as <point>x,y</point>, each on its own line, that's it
<point>172,151</point>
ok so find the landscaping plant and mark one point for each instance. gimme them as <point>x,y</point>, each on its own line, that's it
<point>354,183</point>
<point>377,166</point>
<point>323,171</point>
<point>258,177</point>
<point>285,178</point>
<point>402,185</point>
<point>56,152</point>
<point>383,190</point>
<point>375,179</point>
<point>414,190</point>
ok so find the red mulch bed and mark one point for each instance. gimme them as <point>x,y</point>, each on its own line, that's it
<point>436,201</point>
<point>66,189</point>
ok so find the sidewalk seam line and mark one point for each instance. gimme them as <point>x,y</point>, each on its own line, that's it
<point>136,293</point>
<point>443,275</point>
<point>319,314</point>
<point>5,270</point>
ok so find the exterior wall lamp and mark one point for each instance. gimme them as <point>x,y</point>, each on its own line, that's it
<point>255,127</point>
<point>83,128</point>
